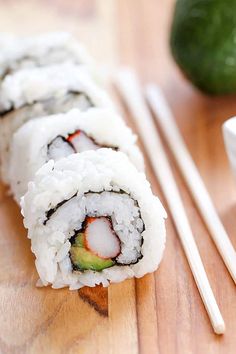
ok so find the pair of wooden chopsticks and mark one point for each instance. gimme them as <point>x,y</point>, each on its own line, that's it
<point>128,85</point>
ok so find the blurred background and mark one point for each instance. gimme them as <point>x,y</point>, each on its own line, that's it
<point>132,32</point>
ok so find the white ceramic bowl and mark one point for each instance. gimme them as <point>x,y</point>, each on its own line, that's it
<point>229,133</point>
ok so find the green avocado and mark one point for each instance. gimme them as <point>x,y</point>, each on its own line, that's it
<point>79,240</point>
<point>83,259</point>
<point>203,43</point>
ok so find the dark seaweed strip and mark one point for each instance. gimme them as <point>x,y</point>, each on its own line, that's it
<point>50,212</point>
<point>139,257</point>
<point>6,112</point>
<point>115,148</point>
<point>127,264</point>
<point>10,70</point>
<point>7,72</point>
<point>64,139</point>
<point>75,267</point>
<point>85,95</point>
<point>121,191</point>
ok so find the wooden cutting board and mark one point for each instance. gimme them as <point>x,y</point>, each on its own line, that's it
<point>162,312</point>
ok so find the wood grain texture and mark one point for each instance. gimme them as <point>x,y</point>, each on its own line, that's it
<point>162,312</point>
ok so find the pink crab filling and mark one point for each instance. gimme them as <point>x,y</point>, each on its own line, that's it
<point>81,142</point>
<point>100,237</point>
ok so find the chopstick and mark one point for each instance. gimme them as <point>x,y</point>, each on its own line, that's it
<point>192,177</point>
<point>129,89</point>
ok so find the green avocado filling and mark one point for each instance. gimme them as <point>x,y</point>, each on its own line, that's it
<point>83,259</point>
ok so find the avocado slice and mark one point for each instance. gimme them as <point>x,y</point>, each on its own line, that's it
<point>203,36</point>
<point>79,239</point>
<point>83,259</point>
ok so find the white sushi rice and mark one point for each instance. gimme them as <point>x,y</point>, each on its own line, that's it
<point>41,50</point>
<point>29,148</point>
<point>88,181</point>
<point>28,86</point>
<point>33,93</point>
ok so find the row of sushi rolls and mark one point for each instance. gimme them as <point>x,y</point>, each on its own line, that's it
<point>73,166</point>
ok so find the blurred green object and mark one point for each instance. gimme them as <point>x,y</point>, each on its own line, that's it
<point>203,43</point>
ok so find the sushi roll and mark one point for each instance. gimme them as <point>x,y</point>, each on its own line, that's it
<point>92,219</point>
<point>40,140</point>
<point>33,93</point>
<point>41,50</point>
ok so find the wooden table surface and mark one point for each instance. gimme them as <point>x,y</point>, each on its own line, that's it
<point>162,312</point>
